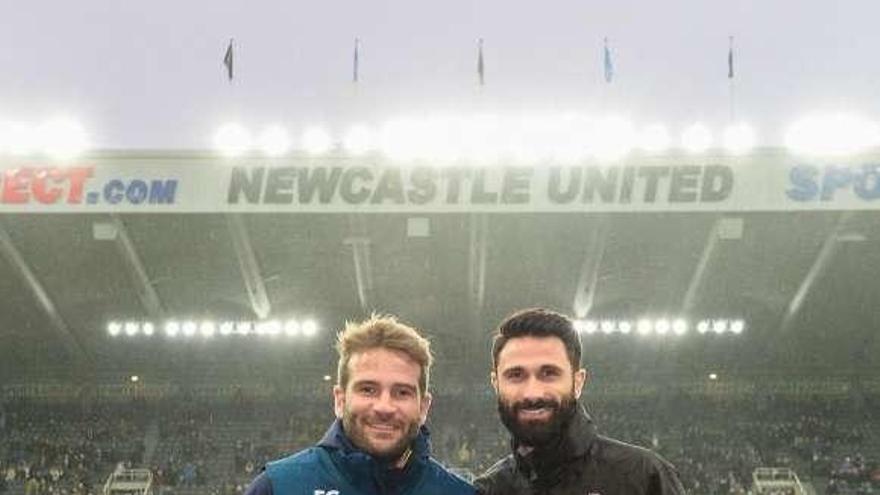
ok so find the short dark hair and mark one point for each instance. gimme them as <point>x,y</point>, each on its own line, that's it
<point>538,322</point>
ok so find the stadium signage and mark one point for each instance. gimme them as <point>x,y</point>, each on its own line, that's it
<point>203,183</point>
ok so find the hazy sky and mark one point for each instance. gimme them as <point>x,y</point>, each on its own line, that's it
<point>150,74</point>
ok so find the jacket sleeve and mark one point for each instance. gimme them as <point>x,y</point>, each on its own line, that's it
<point>261,485</point>
<point>663,480</point>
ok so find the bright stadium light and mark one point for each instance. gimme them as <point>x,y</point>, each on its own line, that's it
<point>719,326</point>
<point>403,139</point>
<point>134,378</point>
<point>327,378</point>
<point>21,139</point>
<point>359,140</point>
<point>679,326</point>
<point>114,328</point>
<point>713,376</point>
<point>244,328</point>
<point>832,135</point>
<point>696,139</point>
<point>131,328</point>
<point>644,327</point>
<point>207,329</point>
<point>612,138</point>
<point>591,327</point>
<point>233,140</point>
<point>316,141</point>
<point>226,328</point>
<point>739,139</point>
<point>654,139</point>
<point>271,327</point>
<point>62,138</point>
<point>737,326</point>
<point>189,328</point>
<point>291,328</point>
<point>148,329</point>
<point>662,326</point>
<point>607,326</point>
<point>625,327</point>
<point>172,328</point>
<point>703,326</point>
<point>309,328</point>
<point>274,141</point>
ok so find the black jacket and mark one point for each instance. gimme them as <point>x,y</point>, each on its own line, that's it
<point>581,463</point>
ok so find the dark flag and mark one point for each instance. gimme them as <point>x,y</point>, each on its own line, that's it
<point>227,60</point>
<point>480,66</point>
<point>355,67</point>
<point>608,66</point>
<point>730,60</point>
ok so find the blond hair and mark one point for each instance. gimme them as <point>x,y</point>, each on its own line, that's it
<point>382,332</point>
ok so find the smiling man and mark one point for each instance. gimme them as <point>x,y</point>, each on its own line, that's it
<point>378,444</point>
<point>538,379</point>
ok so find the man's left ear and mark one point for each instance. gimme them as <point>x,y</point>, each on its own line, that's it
<point>580,379</point>
<point>424,407</point>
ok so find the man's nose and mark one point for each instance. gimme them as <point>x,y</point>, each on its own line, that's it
<point>533,389</point>
<point>384,404</point>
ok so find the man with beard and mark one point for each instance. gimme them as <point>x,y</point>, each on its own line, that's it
<point>378,443</point>
<point>538,379</point>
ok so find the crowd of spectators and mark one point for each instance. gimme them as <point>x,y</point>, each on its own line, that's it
<point>218,447</point>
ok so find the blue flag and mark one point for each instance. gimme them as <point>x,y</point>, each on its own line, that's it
<point>480,66</point>
<point>357,46</point>
<point>609,67</point>
<point>227,60</point>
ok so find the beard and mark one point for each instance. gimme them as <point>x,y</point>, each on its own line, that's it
<point>537,433</point>
<point>354,426</point>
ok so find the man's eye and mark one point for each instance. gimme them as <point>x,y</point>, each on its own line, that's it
<point>368,390</point>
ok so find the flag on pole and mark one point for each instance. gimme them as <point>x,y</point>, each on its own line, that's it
<point>480,65</point>
<point>608,65</point>
<point>356,68</point>
<point>730,60</point>
<point>227,60</point>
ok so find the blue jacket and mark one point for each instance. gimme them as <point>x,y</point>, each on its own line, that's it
<point>336,467</point>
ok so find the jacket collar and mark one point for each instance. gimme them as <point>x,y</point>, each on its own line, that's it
<point>576,441</point>
<point>360,467</point>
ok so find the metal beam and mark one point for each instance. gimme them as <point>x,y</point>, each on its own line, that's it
<point>56,321</point>
<point>829,247</point>
<point>247,263</point>
<point>363,273</point>
<point>479,247</point>
<point>690,296</point>
<point>588,279</point>
<point>145,290</point>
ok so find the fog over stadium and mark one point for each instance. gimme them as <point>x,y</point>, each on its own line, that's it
<point>196,197</point>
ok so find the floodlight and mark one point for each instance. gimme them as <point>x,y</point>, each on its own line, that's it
<point>189,328</point>
<point>719,326</point>
<point>291,328</point>
<point>359,140</point>
<point>654,139</point>
<point>644,327</point>
<point>696,139</point>
<point>233,140</point>
<point>309,328</point>
<point>226,328</point>
<point>274,141</point>
<point>114,328</point>
<point>737,326</point>
<point>62,138</point>
<point>739,139</point>
<point>316,141</point>
<point>207,329</point>
<point>172,328</point>
<point>131,328</point>
<point>662,326</point>
<point>607,326</point>
<point>148,329</point>
<point>625,327</point>
<point>679,326</point>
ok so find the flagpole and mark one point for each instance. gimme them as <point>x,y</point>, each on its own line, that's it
<point>730,78</point>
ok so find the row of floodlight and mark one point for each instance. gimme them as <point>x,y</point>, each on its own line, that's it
<point>660,326</point>
<point>209,329</point>
<point>59,138</point>
<point>488,139</point>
